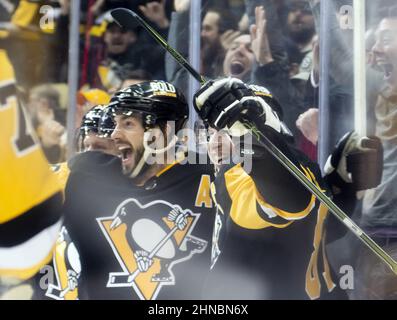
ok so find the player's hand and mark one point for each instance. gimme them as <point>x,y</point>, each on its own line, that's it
<point>143,261</point>
<point>219,102</point>
<point>224,102</point>
<point>356,164</point>
<point>179,218</point>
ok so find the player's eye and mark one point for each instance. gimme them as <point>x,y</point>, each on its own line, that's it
<point>129,124</point>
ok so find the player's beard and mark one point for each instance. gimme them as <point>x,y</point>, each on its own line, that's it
<point>136,156</point>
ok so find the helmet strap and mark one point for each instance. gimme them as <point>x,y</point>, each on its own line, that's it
<point>149,151</point>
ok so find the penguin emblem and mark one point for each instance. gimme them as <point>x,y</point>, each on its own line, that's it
<point>67,267</point>
<point>148,240</point>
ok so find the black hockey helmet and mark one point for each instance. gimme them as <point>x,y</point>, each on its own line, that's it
<point>155,101</point>
<point>90,121</point>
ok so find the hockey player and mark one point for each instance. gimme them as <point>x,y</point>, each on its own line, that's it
<point>89,138</point>
<point>60,279</point>
<point>269,237</point>
<point>142,232</point>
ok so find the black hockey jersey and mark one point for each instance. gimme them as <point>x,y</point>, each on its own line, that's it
<point>130,240</point>
<point>268,238</point>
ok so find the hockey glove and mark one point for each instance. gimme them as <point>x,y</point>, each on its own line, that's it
<point>222,103</point>
<point>356,164</point>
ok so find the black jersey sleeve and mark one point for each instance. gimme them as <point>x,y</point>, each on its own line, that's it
<point>276,186</point>
<point>96,163</point>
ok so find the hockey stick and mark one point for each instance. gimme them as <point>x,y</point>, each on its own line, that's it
<point>124,18</point>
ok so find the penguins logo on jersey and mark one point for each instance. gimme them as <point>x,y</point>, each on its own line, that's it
<point>148,240</point>
<point>67,269</point>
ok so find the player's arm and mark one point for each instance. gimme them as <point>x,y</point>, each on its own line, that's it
<point>222,104</point>
<point>30,197</point>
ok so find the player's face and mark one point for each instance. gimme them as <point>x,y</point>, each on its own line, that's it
<point>128,137</point>
<point>92,142</point>
<point>385,50</point>
<point>239,58</point>
<point>220,147</point>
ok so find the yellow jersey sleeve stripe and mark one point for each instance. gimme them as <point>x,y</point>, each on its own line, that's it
<point>243,193</point>
<point>245,196</point>
<point>288,215</point>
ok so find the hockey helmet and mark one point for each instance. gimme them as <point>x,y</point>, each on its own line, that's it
<point>91,120</point>
<point>155,101</point>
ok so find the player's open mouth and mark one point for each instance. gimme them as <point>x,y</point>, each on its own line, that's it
<point>237,68</point>
<point>125,154</point>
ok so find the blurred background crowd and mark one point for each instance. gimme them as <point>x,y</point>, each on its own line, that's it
<point>283,45</point>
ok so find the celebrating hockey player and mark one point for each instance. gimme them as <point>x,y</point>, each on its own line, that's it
<point>269,238</point>
<point>60,279</point>
<point>142,232</point>
<point>89,138</point>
